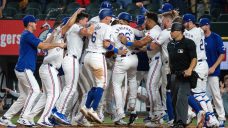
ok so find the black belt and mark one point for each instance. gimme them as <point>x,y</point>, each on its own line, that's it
<point>200,60</point>
<point>128,54</point>
<point>52,66</point>
<point>72,55</point>
<point>156,58</point>
<point>95,52</point>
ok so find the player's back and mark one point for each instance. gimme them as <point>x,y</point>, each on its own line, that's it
<point>74,41</point>
<point>197,35</point>
<point>126,31</point>
<point>102,32</point>
<point>54,56</point>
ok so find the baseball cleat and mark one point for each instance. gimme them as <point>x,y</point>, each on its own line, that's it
<point>84,111</point>
<point>84,123</point>
<point>45,124</point>
<point>132,119</point>
<point>61,117</point>
<point>147,119</point>
<point>191,115</point>
<point>25,122</point>
<point>157,116</point>
<point>94,115</point>
<point>120,122</point>
<point>152,124</point>
<point>170,123</point>
<point>6,122</point>
<point>221,124</point>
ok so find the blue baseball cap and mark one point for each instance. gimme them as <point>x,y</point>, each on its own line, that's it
<point>204,21</point>
<point>189,17</point>
<point>165,8</point>
<point>140,20</point>
<point>29,18</point>
<point>64,20</point>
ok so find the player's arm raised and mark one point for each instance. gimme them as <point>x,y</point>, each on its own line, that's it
<point>87,31</point>
<point>71,21</point>
<point>136,43</point>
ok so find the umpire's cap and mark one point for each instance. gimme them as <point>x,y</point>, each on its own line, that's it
<point>105,12</point>
<point>166,7</point>
<point>106,4</point>
<point>189,17</point>
<point>140,20</point>
<point>176,26</point>
<point>204,21</point>
<point>28,18</point>
<point>125,16</point>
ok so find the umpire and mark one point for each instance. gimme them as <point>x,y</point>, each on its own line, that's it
<point>182,55</point>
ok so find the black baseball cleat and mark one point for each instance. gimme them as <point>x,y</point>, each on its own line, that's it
<point>132,119</point>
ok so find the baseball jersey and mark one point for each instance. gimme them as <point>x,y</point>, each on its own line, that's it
<point>27,51</point>
<point>163,39</point>
<point>74,40</point>
<point>214,47</point>
<point>55,56</point>
<point>102,32</point>
<point>127,31</point>
<point>197,35</point>
<point>153,34</point>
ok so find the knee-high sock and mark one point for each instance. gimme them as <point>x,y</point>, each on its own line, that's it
<point>194,104</point>
<point>169,105</point>
<point>97,97</point>
<point>90,97</point>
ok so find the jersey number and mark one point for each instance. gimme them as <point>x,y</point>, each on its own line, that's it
<point>201,44</point>
<point>93,39</point>
<point>127,35</point>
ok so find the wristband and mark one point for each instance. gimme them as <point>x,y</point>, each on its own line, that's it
<point>148,47</point>
<point>115,50</point>
<point>110,47</point>
<point>129,43</point>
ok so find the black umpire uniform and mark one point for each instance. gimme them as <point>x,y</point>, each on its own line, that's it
<point>182,57</point>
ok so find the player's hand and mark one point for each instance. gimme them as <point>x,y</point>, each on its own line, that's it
<point>122,51</point>
<point>80,10</point>
<point>122,38</point>
<point>187,73</point>
<point>139,4</point>
<point>62,45</point>
<point>91,29</point>
<point>211,70</point>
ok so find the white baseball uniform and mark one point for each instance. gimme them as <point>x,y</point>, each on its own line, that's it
<point>154,74</point>
<point>50,81</point>
<point>163,40</point>
<point>94,61</point>
<point>197,35</point>
<point>124,64</point>
<point>70,67</point>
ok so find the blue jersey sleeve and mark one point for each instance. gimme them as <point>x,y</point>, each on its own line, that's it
<point>32,40</point>
<point>220,46</point>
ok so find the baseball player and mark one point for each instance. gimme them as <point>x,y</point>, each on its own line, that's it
<point>71,64</point>
<point>197,35</point>
<point>215,52</point>
<point>124,64</point>
<point>95,63</point>
<point>27,84</point>
<point>51,85</point>
<point>154,74</point>
<point>161,43</point>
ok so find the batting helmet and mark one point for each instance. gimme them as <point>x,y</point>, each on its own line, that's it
<point>189,17</point>
<point>105,12</point>
<point>106,4</point>
<point>176,26</point>
<point>140,20</point>
<point>125,16</point>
